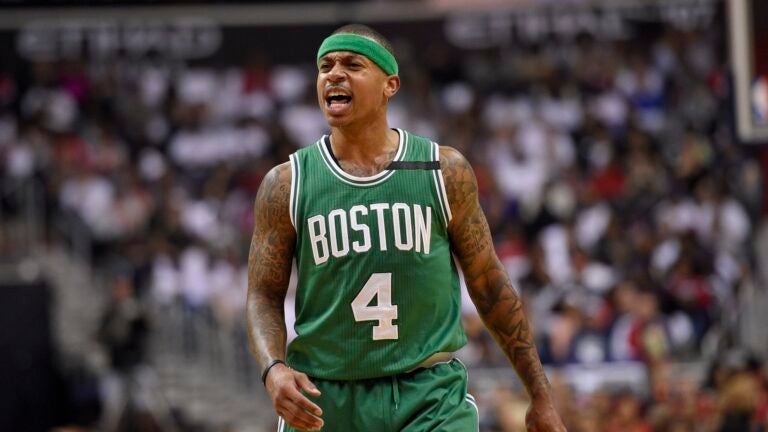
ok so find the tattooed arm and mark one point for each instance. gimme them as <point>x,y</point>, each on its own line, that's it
<point>491,290</point>
<point>269,269</point>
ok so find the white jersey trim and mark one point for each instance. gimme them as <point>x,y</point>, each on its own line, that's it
<point>356,180</point>
<point>471,401</point>
<point>437,176</point>
<point>467,396</point>
<point>442,185</point>
<point>294,197</point>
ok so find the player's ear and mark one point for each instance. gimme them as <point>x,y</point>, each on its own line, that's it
<point>391,86</point>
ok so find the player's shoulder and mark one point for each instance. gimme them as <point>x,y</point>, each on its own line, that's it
<point>450,158</point>
<point>460,182</point>
<point>280,172</point>
<point>271,206</point>
<point>276,182</point>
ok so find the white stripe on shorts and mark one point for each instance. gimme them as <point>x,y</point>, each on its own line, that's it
<point>471,399</point>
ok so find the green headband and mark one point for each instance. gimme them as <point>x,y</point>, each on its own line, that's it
<point>361,45</point>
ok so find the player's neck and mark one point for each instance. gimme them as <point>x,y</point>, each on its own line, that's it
<point>363,145</point>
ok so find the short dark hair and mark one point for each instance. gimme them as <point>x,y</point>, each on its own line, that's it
<point>365,31</point>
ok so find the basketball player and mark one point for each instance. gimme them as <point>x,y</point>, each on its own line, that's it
<point>372,216</point>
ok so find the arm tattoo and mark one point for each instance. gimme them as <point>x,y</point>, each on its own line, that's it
<point>269,266</point>
<point>487,280</point>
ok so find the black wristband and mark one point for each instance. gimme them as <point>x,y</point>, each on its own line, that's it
<point>266,371</point>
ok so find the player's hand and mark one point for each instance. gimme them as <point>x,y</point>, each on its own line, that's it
<point>284,386</point>
<point>542,417</point>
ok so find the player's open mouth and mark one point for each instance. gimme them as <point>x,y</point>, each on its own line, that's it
<point>337,99</point>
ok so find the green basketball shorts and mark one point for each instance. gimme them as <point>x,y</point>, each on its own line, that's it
<point>425,400</point>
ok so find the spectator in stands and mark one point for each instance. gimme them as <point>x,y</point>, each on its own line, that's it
<point>123,333</point>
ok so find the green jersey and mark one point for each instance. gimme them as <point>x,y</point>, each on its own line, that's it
<point>377,290</point>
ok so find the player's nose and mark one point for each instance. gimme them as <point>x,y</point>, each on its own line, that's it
<point>336,73</point>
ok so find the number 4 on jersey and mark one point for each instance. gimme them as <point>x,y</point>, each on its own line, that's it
<point>378,285</point>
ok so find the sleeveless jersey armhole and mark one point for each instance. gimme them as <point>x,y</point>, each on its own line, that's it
<point>295,189</point>
<point>440,186</point>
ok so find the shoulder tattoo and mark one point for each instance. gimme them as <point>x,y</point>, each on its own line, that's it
<point>273,240</point>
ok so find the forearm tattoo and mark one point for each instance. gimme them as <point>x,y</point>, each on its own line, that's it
<point>487,280</point>
<point>269,266</point>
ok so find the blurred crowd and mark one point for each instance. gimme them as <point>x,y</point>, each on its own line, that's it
<point>620,201</point>
<point>732,398</point>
